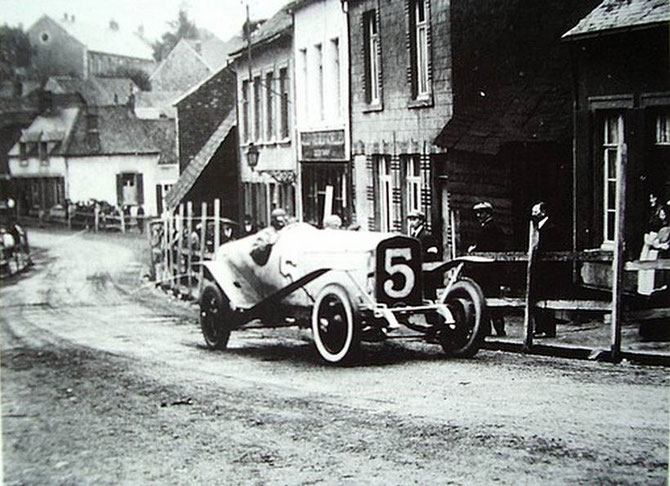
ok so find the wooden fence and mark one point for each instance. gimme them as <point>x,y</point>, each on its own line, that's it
<point>180,240</point>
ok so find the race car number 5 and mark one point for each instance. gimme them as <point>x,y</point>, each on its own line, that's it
<point>394,263</point>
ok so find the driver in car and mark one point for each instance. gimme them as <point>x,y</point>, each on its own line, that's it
<point>262,246</point>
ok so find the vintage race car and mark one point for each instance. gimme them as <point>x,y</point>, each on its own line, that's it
<point>348,286</point>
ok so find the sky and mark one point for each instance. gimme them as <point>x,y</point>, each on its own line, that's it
<point>224,18</point>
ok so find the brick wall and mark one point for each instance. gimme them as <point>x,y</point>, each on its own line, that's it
<point>202,111</point>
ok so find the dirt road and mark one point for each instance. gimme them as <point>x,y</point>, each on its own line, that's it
<point>105,380</point>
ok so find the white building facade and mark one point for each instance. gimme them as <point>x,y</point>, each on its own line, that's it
<point>320,52</point>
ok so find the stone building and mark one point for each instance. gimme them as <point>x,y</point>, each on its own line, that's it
<point>71,48</point>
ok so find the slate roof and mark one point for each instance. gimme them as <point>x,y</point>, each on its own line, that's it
<point>613,15</point>
<point>120,132</point>
<point>198,163</point>
<point>163,134</point>
<point>95,91</point>
<point>278,24</point>
<point>104,39</point>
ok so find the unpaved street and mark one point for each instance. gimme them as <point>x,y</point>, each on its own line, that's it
<point>105,380</point>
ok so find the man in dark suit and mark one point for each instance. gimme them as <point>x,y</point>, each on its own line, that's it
<point>545,321</point>
<point>490,238</point>
<point>417,229</point>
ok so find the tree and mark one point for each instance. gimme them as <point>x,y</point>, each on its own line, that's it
<point>182,28</point>
<point>15,52</point>
<point>139,77</point>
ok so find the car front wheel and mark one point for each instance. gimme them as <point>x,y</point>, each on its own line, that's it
<point>466,303</point>
<point>334,325</point>
<point>216,317</point>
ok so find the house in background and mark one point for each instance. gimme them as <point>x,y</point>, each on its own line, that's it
<point>508,138</point>
<point>401,95</point>
<point>93,91</point>
<point>71,48</point>
<point>37,162</point>
<point>190,62</point>
<point>621,68</point>
<point>264,111</point>
<point>207,141</point>
<point>16,114</point>
<point>103,153</point>
<point>321,56</point>
<point>156,104</point>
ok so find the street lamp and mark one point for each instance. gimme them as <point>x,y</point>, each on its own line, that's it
<point>252,156</point>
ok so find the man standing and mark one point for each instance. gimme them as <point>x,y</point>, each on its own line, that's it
<point>490,238</point>
<point>541,287</point>
<point>417,229</point>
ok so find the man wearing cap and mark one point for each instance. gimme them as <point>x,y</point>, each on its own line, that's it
<point>417,229</point>
<point>490,238</point>
<point>267,237</point>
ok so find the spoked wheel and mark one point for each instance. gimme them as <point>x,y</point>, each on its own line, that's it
<point>466,303</point>
<point>215,317</point>
<point>333,325</point>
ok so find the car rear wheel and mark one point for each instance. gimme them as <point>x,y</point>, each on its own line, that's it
<point>466,303</point>
<point>334,328</point>
<point>215,317</point>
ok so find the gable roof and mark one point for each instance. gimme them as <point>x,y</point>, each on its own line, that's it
<point>94,91</point>
<point>52,126</point>
<point>108,40</point>
<point>214,51</point>
<point>182,68</point>
<point>162,101</point>
<point>198,163</point>
<point>612,15</point>
<point>163,134</point>
<point>120,132</point>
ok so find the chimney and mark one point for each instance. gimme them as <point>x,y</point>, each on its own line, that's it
<point>45,101</point>
<point>140,30</point>
<point>92,131</point>
<point>113,24</point>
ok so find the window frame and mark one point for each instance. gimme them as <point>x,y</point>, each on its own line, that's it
<point>611,143</point>
<point>420,55</point>
<point>372,57</point>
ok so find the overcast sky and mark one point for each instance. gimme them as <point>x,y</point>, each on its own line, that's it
<point>222,17</point>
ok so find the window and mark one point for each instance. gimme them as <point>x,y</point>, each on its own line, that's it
<point>335,56</point>
<point>44,153</point>
<point>269,106</point>
<point>245,111</point>
<point>305,84</point>
<point>319,71</point>
<point>385,197</point>
<point>412,165</point>
<point>663,129</point>
<point>612,142</point>
<point>257,108</point>
<point>283,89</point>
<point>23,153</point>
<point>419,48</point>
<point>371,56</point>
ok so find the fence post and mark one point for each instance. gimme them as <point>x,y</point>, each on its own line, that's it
<point>180,245</point>
<point>170,247</point>
<point>203,236</point>
<point>529,315</point>
<point>217,223</point>
<point>619,248</point>
<point>189,258</point>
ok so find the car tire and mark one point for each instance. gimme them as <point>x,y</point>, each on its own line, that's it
<point>334,327</point>
<point>466,302</point>
<point>215,317</point>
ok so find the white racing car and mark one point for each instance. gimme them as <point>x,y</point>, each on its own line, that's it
<point>347,286</point>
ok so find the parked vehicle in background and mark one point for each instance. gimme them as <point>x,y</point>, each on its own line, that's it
<point>14,246</point>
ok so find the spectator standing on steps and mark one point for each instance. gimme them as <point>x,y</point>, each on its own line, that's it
<point>490,238</point>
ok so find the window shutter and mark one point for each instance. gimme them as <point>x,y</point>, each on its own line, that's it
<point>139,184</point>
<point>410,42</point>
<point>365,19</point>
<point>119,189</point>
<point>159,199</point>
